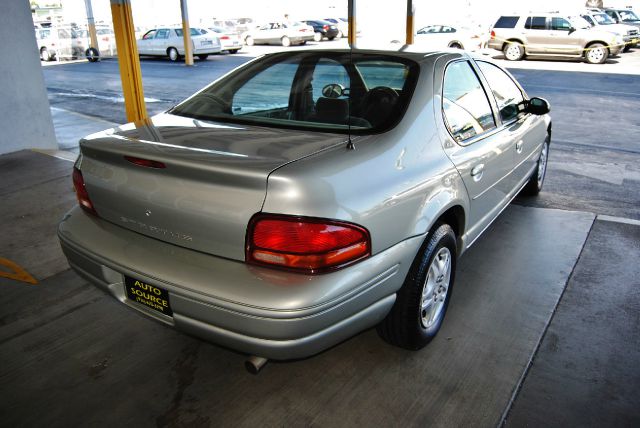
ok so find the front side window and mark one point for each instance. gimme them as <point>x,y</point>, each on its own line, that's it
<point>628,15</point>
<point>588,19</point>
<point>536,23</point>
<point>507,94</point>
<point>465,105</point>
<point>602,19</point>
<point>331,92</point>
<point>560,24</point>
<point>149,35</point>
<point>162,34</point>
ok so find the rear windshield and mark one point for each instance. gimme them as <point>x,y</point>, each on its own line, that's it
<point>323,91</point>
<point>506,22</point>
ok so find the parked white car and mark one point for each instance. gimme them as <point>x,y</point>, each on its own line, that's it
<point>169,42</point>
<point>229,41</point>
<point>58,43</point>
<point>106,42</point>
<point>602,21</point>
<point>445,36</point>
<point>279,33</point>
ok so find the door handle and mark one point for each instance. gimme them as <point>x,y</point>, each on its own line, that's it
<point>519,146</point>
<point>477,171</point>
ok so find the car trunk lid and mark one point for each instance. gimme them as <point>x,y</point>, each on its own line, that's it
<point>198,183</point>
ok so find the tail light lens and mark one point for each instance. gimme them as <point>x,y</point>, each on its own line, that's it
<point>81,192</point>
<point>147,163</point>
<point>493,34</point>
<point>224,38</point>
<point>325,27</point>
<point>304,244</point>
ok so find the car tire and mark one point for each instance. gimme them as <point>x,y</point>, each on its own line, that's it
<point>234,51</point>
<point>626,48</point>
<point>536,181</point>
<point>317,37</point>
<point>249,41</point>
<point>339,35</point>
<point>513,51</point>
<point>596,53</point>
<point>422,301</point>
<point>92,55</point>
<point>456,45</point>
<point>45,55</point>
<point>285,41</point>
<point>173,54</point>
<point>203,57</point>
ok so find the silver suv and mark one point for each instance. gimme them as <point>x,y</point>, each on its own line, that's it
<point>552,34</point>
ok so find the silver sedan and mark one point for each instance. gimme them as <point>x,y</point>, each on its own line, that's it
<point>307,196</point>
<point>169,42</point>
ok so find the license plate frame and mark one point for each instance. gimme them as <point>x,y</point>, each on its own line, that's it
<point>145,295</point>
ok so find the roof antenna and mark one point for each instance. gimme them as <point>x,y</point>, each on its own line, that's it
<point>351,6</point>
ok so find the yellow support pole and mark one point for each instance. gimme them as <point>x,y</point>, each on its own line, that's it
<point>186,33</point>
<point>351,36</point>
<point>128,59</point>
<point>91,24</point>
<point>410,30</point>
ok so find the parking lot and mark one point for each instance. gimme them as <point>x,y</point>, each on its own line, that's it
<point>543,328</point>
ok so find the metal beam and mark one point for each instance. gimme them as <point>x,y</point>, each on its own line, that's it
<point>351,6</point>
<point>91,24</point>
<point>186,33</point>
<point>129,61</point>
<point>410,29</point>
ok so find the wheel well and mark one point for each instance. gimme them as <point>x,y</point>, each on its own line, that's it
<point>171,47</point>
<point>512,40</point>
<point>455,218</point>
<point>455,42</point>
<point>594,42</point>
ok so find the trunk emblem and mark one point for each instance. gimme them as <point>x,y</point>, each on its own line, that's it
<point>147,213</point>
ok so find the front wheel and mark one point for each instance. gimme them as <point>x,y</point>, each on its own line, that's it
<point>596,53</point>
<point>317,36</point>
<point>92,54</point>
<point>285,41</point>
<point>45,55</point>
<point>249,41</point>
<point>173,54</point>
<point>203,57</point>
<point>513,51</point>
<point>536,181</point>
<point>421,303</point>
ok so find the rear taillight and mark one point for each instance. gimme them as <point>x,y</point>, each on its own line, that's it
<point>303,244</point>
<point>224,38</point>
<point>81,192</point>
<point>493,34</point>
<point>325,27</point>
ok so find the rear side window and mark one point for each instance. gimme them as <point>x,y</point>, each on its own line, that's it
<point>465,105</point>
<point>506,22</point>
<point>536,23</point>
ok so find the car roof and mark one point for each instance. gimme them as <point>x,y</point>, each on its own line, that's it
<point>412,52</point>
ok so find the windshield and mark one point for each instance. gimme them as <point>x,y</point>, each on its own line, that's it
<point>579,22</point>
<point>603,19</point>
<point>628,15</point>
<point>322,91</point>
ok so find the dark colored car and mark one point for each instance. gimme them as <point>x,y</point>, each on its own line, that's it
<point>323,29</point>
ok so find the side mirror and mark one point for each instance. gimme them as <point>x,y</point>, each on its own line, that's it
<point>571,29</point>
<point>537,106</point>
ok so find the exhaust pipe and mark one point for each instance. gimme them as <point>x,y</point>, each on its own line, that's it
<point>254,364</point>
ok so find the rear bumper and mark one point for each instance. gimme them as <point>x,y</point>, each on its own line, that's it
<point>258,311</point>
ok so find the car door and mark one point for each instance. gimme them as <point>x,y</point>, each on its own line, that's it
<point>538,35</point>
<point>161,42</point>
<point>526,130</point>
<point>481,153</point>
<point>562,39</point>
<point>145,44</point>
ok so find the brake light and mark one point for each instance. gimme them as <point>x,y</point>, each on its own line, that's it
<point>325,27</point>
<point>81,192</point>
<point>304,244</point>
<point>493,34</point>
<point>224,38</point>
<point>147,163</point>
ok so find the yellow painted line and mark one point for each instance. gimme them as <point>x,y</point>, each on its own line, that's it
<point>17,273</point>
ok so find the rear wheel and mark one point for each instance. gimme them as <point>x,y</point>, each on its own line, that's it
<point>513,51</point>
<point>203,56</point>
<point>596,53</point>
<point>285,41</point>
<point>173,54</point>
<point>45,55</point>
<point>234,51</point>
<point>536,181</point>
<point>422,302</point>
<point>92,54</point>
<point>249,41</point>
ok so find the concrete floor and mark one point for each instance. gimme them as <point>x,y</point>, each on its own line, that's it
<point>513,349</point>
